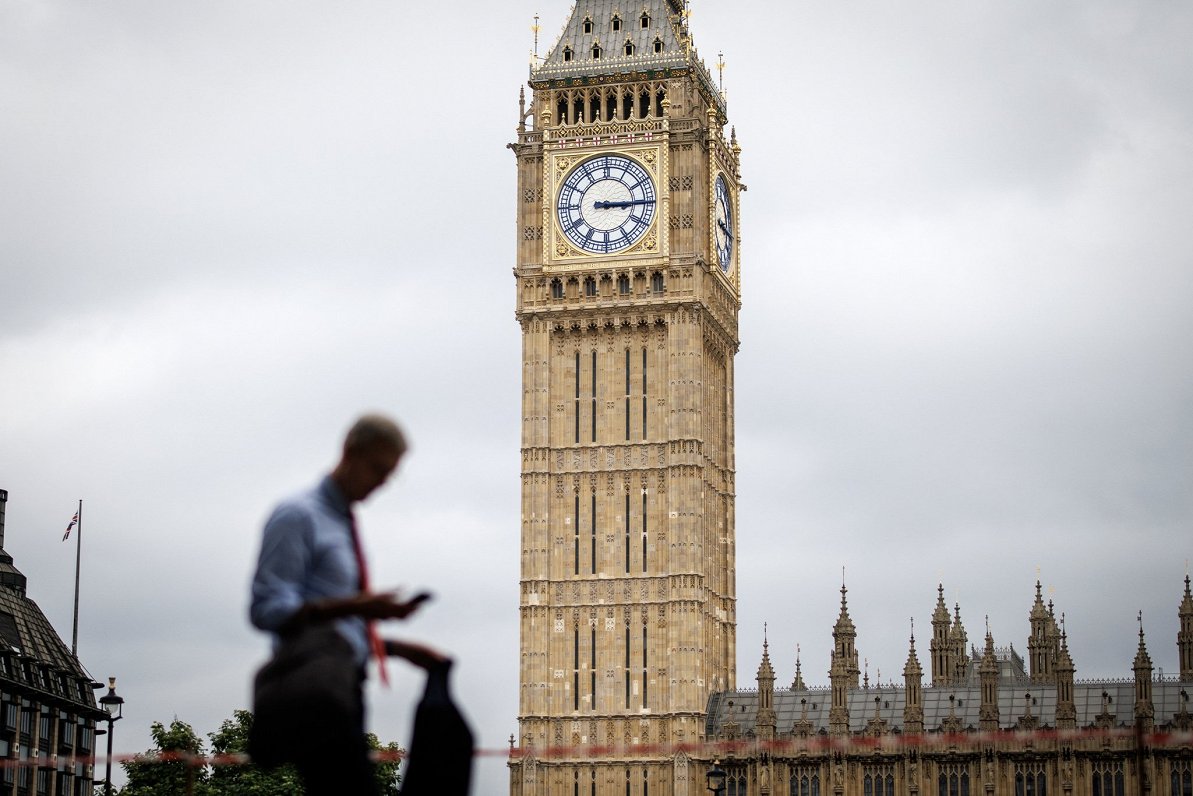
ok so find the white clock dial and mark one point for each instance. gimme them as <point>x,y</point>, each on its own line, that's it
<point>606,204</point>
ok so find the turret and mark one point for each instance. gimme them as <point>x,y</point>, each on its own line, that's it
<point>988,675</point>
<point>1184,637</point>
<point>843,671</point>
<point>766,721</point>
<point>939,648</point>
<point>1066,708</point>
<point>1039,644</point>
<point>959,643</point>
<point>798,683</point>
<point>913,676</point>
<point>1145,711</point>
<point>844,637</point>
<point>838,714</point>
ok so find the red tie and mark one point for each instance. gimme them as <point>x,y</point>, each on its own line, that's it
<point>375,644</point>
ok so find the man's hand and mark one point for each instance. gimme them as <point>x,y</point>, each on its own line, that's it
<point>385,605</point>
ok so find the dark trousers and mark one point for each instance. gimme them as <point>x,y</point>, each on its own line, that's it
<point>342,768</point>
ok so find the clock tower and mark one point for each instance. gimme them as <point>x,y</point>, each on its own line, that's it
<point>628,281</point>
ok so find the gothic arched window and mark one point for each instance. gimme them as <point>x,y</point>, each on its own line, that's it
<point>556,289</point>
<point>805,782</point>
<point>567,54</point>
<point>656,282</point>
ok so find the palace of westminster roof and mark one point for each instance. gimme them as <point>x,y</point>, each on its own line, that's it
<point>1027,696</point>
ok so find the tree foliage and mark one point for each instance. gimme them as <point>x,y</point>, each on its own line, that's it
<point>156,774</point>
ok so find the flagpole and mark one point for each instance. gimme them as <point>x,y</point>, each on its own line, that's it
<point>74,641</point>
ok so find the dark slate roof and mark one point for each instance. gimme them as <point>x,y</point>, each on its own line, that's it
<point>665,24</point>
<point>741,707</point>
<point>35,657</point>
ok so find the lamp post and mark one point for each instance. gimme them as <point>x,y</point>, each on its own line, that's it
<point>113,705</point>
<point>716,778</point>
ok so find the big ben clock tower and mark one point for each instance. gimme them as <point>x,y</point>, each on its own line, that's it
<point>628,282</point>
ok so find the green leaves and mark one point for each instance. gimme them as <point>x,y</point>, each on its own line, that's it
<point>180,765</point>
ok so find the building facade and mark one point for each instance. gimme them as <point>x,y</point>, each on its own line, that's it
<point>989,722</point>
<point>47,707</point>
<point>628,277</point>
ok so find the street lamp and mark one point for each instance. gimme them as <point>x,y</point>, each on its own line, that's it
<point>716,778</point>
<point>113,705</point>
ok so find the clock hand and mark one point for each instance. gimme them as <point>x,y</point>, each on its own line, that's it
<point>628,203</point>
<point>724,229</point>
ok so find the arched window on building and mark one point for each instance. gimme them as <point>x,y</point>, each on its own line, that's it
<point>567,54</point>
<point>590,287</point>
<point>953,781</point>
<point>1108,778</point>
<point>1182,778</point>
<point>623,284</point>
<point>656,282</point>
<point>805,782</point>
<point>1030,779</point>
<point>880,782</point>
<point>556,288</point>
<point>736,783</point>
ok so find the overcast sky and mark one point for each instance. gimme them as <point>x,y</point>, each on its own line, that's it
<point>228,226</point>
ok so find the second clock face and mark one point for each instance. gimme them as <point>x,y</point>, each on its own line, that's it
<point>723,219</point>
<point>606,204</point>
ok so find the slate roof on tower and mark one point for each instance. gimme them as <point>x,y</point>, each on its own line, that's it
<point>590,47</point>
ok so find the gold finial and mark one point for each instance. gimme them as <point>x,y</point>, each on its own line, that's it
<point>721,71</point>
<point>535,28</point>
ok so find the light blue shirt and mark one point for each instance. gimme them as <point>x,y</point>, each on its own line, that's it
<point>307,554</point>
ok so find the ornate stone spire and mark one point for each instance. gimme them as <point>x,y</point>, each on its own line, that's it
<point>844,638</point>
<point>988,672</point>
<point>959,642</point>
<point>1040,642</point>
<point>766,721</point>
<point>939,648</point>
<point>843,671</point>
<point>1184,637</point>
<point>1066,708</point>
<point>798,683</point>
<point>913,707</point>
<point>1145,711</point>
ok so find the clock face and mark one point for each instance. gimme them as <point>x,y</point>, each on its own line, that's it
<point>606,204</point>
<point>723,224</point>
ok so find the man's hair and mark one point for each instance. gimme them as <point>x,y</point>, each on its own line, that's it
<point>374,429</point>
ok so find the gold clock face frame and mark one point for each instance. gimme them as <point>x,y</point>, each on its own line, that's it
<point>606,204</point>
<point>581,175</point>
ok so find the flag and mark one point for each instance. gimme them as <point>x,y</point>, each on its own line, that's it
<point>73,522</point>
